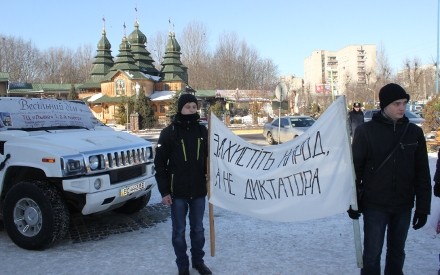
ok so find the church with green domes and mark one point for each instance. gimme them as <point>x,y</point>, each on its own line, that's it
<point>133,73</point>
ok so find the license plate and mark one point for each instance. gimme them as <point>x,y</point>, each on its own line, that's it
<point>132,188</point>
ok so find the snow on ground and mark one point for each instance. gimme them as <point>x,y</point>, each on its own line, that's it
<point>243,245</point>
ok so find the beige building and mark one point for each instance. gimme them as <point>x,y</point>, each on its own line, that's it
<point>419,82</point>
<point>295,89</point>
<point>326,71</point>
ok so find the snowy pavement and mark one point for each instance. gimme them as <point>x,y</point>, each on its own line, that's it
<point>243,245</point>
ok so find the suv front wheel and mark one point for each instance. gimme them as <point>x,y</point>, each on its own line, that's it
<point>35,214</point>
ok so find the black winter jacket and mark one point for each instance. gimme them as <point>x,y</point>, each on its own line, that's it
<point>355,118</point>
<point>180,160</point>
<point>404,177</point>
<point>437,168</point>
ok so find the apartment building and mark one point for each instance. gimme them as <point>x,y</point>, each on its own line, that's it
<point>327,71</point>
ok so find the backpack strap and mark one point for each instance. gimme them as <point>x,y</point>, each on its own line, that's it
<point>395,148</point>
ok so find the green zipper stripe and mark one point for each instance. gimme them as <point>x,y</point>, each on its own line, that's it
<point>198,148</point>
<point>183,148</point>
<point>172,183</point>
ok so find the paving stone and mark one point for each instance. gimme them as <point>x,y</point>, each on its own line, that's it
<point>99,226</point>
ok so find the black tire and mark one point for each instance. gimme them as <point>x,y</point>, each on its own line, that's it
<point>135,205</point>
<point>270,139</point>
<point>35,215</point>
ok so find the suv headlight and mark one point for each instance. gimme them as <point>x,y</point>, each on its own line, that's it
<point>94,162</point>
<point>72,165</point>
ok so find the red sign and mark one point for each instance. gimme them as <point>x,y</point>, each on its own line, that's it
<point>319,88</point>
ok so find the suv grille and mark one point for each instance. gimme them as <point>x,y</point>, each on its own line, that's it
<point>124,174</point>
<point>120,158</point>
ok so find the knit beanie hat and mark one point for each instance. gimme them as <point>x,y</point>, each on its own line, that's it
<point>390,93</point>
<point>356,105</point>
<point>185,98</point>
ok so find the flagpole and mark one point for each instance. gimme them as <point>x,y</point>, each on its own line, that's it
<point>438,33</point>
<point>354,206</point>
<point>210,206</point>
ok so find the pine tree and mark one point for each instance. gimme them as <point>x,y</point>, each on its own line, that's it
<point>122,110</point>
<point>73,95</point>
<point>172,105</point>
<point>217,109</point>
<point>121,114</point>
<point>146,114</point>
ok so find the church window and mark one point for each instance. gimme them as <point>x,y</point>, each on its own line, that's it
<point>120,87</point>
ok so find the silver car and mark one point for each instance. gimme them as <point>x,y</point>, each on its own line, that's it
<point>417,120</point>
<point>290,128</point>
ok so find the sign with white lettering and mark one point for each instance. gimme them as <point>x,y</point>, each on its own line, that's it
<point>306,178</point>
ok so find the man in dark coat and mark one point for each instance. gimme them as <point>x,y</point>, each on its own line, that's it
<point>390,184</point>
<point>180,164</point>
<point>436,188</point>
<point>355,118</point>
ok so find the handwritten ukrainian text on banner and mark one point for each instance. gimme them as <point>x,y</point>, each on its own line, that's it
<point>306,178</point>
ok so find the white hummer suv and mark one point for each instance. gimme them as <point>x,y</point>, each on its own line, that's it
<point>56,157</point>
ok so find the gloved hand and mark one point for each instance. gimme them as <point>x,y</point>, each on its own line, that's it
<point>354,214</point>
<point>437,189</point>
<point>419,220</point>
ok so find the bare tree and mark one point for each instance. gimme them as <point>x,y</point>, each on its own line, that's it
<point>195,52</point>
<point>18,57</point>
<point>58,65</point>
<point>411,78</point>
<point>384,72</point>
<point>237,65</point>
<point>156,47</point>
<point>83,62</point>
<point>225,61</point>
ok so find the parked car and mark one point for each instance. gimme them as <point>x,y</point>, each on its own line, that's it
<point>417,120</point>
<point>290,128</point>
<point>419,113</point>
<point>204,122</point>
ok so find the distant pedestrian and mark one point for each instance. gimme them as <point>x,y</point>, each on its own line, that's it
<point>180,164</point>
<point>391,164</point>
<point>355,118</point>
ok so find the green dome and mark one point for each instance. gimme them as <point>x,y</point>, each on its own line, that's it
<point>104,44</point>
<point>137,37</point>
<point>124,45</point>
<point>172,45</point>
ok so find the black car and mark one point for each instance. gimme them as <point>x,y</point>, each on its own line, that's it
<point>417,120</point>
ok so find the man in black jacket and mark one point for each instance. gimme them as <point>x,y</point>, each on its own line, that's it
<point>391,180</point>
<point>355,118</point>
<point>180,164</point>
<point>436,188</point>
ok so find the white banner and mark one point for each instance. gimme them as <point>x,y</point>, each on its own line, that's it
<point>17,113</point>
<point>306,178</point>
